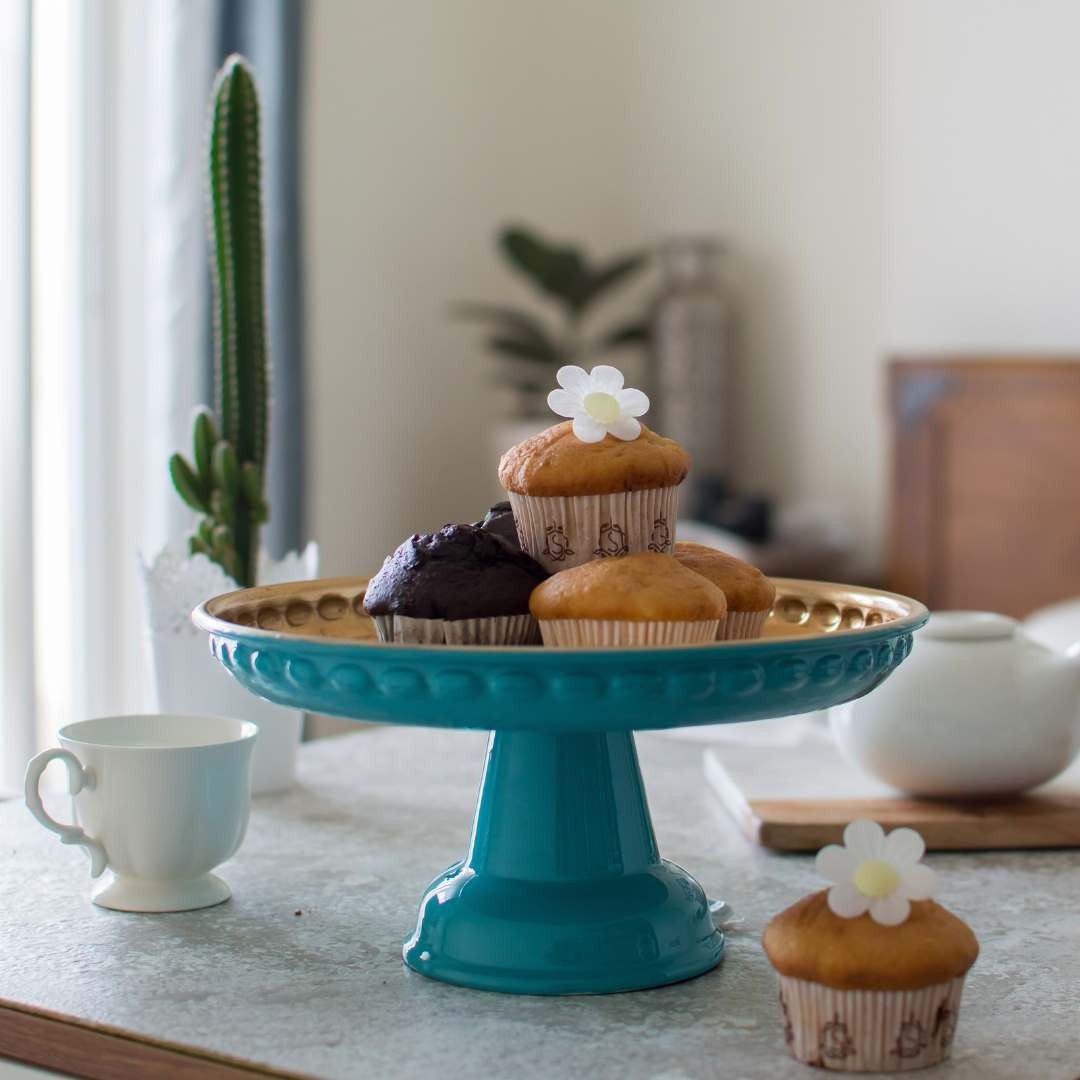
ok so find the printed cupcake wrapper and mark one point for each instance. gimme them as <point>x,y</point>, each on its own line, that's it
<point>869,1030</point>
<point>741,625</point>
<point>619,633</point>
<point>567,530</point>
<point>494,630</point>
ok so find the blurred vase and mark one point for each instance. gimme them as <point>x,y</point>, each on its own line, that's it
<point>691,379</point>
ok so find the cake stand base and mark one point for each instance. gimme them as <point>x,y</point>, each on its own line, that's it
<point>563,890</point>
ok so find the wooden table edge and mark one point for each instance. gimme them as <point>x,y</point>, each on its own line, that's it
<point>82,1048</point>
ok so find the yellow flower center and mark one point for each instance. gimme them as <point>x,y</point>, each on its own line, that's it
<point>875,878</point>
<point>603,408</point>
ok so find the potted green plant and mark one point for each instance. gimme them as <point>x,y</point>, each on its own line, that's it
<point>530,346</point>
<point>224,479</point>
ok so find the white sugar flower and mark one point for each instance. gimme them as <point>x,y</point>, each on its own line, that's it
<point>598,403</point>
<point>876,873</point>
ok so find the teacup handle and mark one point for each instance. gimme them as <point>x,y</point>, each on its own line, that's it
<point>78,778</point>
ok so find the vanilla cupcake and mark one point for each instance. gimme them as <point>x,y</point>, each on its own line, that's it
<point>599,485</point>
<point>871,970</point>
<point>643,599</point>
<point>459,586</point>
<point>750,594</point>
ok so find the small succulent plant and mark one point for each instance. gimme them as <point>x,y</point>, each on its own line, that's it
<point>531,348</point>
<point>224,481</point>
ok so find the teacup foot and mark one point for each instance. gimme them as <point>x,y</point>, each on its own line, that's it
<point>134,894</point>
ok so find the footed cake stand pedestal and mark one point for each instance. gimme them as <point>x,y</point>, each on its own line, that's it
<point>563,890</point>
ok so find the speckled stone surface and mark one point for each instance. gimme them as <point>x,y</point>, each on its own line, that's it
<point>377,815</point>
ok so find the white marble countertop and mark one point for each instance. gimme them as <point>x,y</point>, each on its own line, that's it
<point>377,815</point>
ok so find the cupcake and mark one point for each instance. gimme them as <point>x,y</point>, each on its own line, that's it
<point>600,484</point>
<point>459,586</point>
<point>644,599</point>
<point>750,594</point>
<point>500,521</point>
<point>871,969</point>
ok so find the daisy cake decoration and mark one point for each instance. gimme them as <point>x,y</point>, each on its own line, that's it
<point>598,403</point>
<point>875,873</point>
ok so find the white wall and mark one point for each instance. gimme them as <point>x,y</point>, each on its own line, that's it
<point>982,198</point>
<point>891,176</point>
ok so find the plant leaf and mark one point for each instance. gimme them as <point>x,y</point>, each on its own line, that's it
<point>616,272</point>
<point>186,483</point>
<point>559,271</point>
<point>511,324</point>
<point>204,438</point>
<point>224,469</point>
<point>636,332</point>
<point>523,350</point>
<point>524,380</point>
<point>251,483</point>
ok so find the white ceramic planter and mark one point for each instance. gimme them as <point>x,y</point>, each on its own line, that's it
<point>186,679</point>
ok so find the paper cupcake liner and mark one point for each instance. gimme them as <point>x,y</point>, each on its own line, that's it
<point>567,530</point>
<point>741,625</point>
<point>620,633</point>
<point>494,630</point>
<point>869,1030</point>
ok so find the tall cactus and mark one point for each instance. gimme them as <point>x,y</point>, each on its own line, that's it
<point>225,481</point>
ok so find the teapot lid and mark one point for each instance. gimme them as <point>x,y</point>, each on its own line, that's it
<point>969,626</point>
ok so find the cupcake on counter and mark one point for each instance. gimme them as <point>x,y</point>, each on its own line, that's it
<point>750,594</point>
<point>643,599</point>
<point>871,969</point>
<point>460,586</point>
<point>601,484</point>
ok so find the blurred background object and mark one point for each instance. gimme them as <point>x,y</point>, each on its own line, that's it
<point>985,509</point>
<point>691,377</point>
<point>693,382</point>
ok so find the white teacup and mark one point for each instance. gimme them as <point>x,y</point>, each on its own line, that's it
<point>163,799</point>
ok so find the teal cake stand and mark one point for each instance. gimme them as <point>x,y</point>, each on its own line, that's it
<point>562,890</point>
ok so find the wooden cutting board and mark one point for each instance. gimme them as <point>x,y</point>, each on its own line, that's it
<point>799,798</point>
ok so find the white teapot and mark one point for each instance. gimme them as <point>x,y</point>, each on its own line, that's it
<point>979,708</point>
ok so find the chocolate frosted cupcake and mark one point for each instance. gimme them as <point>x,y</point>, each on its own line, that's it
<point>460,586</point>
<point>599,485</point>
<point>643,599</point>
<point>500,521</point>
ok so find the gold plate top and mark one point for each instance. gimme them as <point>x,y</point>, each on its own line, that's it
<point>333,608</point>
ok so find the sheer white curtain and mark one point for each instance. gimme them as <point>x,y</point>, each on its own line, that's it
<point>102,287</point>
<point>16,593</point>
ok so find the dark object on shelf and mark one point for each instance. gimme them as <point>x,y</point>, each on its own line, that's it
<point>985,481</point>
<point>747,516</point>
